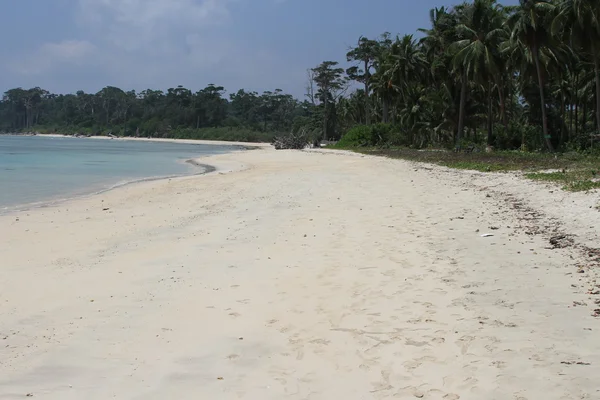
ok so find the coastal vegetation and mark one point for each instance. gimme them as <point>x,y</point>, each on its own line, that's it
<point>177,113</point>
<point>482,76</point>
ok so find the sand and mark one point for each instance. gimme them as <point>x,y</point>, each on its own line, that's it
<point>303,275</point>
<point>249,145</point>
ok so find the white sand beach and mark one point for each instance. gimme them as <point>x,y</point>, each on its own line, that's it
<point>304,275</point>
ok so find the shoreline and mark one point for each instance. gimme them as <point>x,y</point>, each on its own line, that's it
<point>9,210</point>
<point>197,163</point>
<point>244,145</point>
<point>302,274</point>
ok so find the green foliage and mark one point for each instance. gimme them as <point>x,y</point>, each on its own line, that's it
<point>521,77</point>
<point>331,85</point>
<point>359,136</point>
<point>572,180</point>
<point>381,133</point>
<point>178,113</point>
<point>372,135</point>
<point>497,161</point>
<point>517,136</point>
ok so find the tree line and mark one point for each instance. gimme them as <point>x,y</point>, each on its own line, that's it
<point>511,77</point>
<point>525,76</point>
<point>178,112</point>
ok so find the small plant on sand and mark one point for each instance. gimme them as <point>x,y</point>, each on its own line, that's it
<point>573,180</point>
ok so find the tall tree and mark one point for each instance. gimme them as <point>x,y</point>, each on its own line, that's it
<point>480,33</point>
<point>531,30</point>
<point>331,83</point>
<point>581,21</point>
<point>365,54</point>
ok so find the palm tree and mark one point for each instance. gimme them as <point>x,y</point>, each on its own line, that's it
<point>381,83</point>
<point>407,64</point>
<point>530,30</point>
<point>480,33</point>
<point>438,49</point>
<point>580,19</point>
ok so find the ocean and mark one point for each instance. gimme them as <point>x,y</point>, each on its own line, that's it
<point>37,169</point>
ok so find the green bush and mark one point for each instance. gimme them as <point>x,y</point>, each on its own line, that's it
<point>381,133</point>
<point>517,135</point>
<point>359,136</point>
<point>373,135</point>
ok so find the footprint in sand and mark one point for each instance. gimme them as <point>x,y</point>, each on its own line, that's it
<point>469,383</point>
<point>286,329</point>
<point>417,362</point>
<point>464,343</point>
<point>410,342</point>
<point>451,396</point>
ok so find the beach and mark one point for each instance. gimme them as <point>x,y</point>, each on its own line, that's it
<point>304,275</point>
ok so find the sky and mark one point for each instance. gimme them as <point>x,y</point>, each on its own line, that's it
<point>69,45</point>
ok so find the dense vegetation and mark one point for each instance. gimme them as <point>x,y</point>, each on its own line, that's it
<point>509,77</point>
<point>482,74</point>
<point>178,113</point>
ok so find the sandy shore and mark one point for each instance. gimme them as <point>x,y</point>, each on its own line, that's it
<point>303,275</point>
<point>248,145</point>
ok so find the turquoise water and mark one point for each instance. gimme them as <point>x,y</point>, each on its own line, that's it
<point>36,169</point>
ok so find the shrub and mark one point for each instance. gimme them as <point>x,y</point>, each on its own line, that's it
<point>381,133</point>
<point>358,136</point>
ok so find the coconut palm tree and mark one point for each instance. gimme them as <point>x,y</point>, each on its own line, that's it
<point>531,30</point>
<point>580,20</point>
<point>438,49</point>
<point>408,64</point>
<point>477,50</point>
<point>381,83</point>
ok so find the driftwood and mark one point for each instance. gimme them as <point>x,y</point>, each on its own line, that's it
<point>298,140</point>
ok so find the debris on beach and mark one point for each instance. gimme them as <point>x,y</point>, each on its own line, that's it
<point>575,363</point>
<point>561,241</point>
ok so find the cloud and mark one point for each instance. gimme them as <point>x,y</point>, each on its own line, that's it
<point>52,55</point>
<point>150,24</point>
<point>139,44</point>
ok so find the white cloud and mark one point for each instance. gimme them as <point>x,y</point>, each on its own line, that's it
<point>139,44</point>
<point>148,24</point>
<point>53,55</point>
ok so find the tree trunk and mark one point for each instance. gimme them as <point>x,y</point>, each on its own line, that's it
<point>584,115</point>
<point>325,119</point>
<point>538,68</point>
<point>577,119</point>
<point>490,132</point>
<point>576,106</point>
<point>386,110</point>
<point>597,73</point>
<point>461,112</point>
<point>502,106</point>
<point>571,108</point>
<point>563,122</point>
<point>367,100</point>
